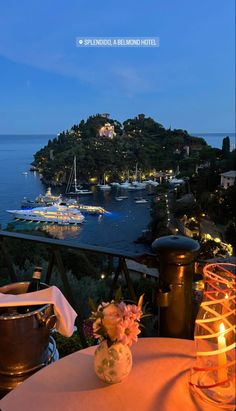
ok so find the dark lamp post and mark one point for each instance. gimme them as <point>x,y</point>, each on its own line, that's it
<point>174,294</point>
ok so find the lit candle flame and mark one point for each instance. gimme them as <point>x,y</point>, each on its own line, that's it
<point>222,328</point>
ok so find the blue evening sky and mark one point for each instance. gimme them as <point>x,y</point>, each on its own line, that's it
<point>47,84</point>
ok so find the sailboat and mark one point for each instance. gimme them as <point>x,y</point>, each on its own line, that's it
<point>138,184</point>
<point>72,182</point>
<point>104,186</point>
<point>126,184</point>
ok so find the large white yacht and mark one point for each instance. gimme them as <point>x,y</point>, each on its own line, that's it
<point>55,214</point>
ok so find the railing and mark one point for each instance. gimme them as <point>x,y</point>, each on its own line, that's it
<point>169,294</point>
<point>116,265</point>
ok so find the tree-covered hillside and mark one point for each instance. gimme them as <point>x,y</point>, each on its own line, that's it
<point>139,140</point>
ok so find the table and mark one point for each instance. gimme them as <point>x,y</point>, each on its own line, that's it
<point>158,382</point>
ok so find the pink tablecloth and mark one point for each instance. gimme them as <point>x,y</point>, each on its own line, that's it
<point>158,382</point>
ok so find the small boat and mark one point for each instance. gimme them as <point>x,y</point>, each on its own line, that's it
<point>153,183</point>
<point>126,185</point>
<point>82,191</point>
<point>176,181</point>
<point>55,214</point>
<point>24,173</point>
<point>138,184</point>
<point>140,200</point>
<point>121,198</point>
<point>93,210</point>
<point>104,186</point>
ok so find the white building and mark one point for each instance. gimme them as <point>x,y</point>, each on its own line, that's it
<point>228,179</point>
<point>107,131</point>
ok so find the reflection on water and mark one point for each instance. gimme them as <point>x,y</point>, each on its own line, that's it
<point>61,232</point>
<point>117,229</point>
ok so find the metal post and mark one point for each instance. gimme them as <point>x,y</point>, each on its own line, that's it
<point>174,295</point>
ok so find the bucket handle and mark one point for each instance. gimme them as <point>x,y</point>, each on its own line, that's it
<point>48,321</point>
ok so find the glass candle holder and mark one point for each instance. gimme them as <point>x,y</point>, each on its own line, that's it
<point>213,375</point>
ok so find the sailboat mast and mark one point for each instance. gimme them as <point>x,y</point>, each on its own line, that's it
<point>136,172</point>
<point>75,180</point>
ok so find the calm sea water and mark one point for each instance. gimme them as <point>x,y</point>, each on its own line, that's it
<point>216,139</point>
<point>116,230</point>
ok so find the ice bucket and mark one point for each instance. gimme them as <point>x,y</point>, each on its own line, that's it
<point>25,341</point>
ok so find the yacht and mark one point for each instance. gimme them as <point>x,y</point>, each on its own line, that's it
<point>55,214</point>
<point>59,201</point>
<point>85,209</point>
<point>42,200</point>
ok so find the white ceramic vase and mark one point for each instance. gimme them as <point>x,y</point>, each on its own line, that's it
<point>112,364</point>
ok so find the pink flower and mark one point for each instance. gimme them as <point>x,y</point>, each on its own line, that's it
<point>131,311</point>
<point>117,322</point>
<point>128,332</point>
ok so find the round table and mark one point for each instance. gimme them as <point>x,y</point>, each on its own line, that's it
<point>158,382</point>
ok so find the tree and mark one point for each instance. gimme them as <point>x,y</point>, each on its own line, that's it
<point>230,234</point>
<point>226,148</point>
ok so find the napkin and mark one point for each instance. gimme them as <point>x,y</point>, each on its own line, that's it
<point>52,295</point>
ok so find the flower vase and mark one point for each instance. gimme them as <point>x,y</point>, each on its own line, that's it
<point>112,363</point>
<point>213,373</point>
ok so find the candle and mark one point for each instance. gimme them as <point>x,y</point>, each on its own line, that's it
<point>222,360</point>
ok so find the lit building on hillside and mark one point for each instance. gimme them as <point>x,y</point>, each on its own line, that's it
<point>228,179</point>
<point>107,131</point>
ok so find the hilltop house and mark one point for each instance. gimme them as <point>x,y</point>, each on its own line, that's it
<point>107,131</point>
<point>228,179</point>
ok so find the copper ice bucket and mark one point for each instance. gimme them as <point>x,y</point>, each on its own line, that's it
<point>25,342</point>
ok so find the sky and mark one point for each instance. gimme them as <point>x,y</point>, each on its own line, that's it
<point>47,84</point>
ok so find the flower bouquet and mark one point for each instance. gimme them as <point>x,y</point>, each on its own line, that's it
<point>116,325</point>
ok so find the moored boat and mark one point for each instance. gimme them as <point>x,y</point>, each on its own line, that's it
<point>104,186</point>
<point>42,200</point>
<point>82,191</point>
<point>55,214</point>
<point>140,200</point>
<point>121,198</point>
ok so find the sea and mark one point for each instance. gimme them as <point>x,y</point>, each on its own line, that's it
<point>118,229</point>
<point>216,139</point>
